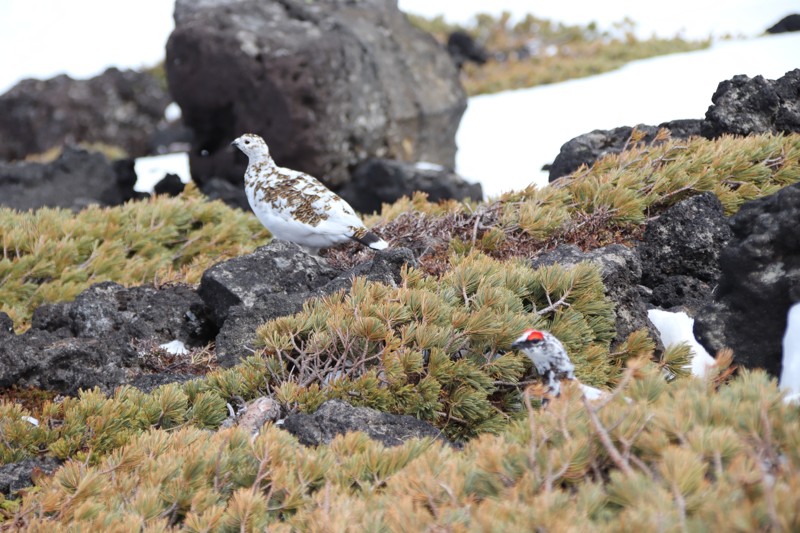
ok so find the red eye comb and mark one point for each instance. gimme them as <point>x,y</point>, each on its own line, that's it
<point>534,335</point>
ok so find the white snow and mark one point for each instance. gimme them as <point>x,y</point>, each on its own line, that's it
<point>425,165</point>
<point>790,375</point>
<point>505,138</point>
<point>172,112</point>
<point>175,347</point>
<point>591,393</point>
<point>151,170</point>
<point>675,328</point>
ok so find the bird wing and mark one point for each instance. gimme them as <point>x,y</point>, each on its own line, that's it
<point>318,206</point>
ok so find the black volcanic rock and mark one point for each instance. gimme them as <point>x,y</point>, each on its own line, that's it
<point>75,180</point>
<point>760,281</point>
<point>463,48</point>
<point>91,341</point>
<point>786,24</point>
<point>379,181</point>
<point>171,184</point>
<point>747,106</point>
<point>680,252</point>
<point>327,84</point>
<point>336,417</point>
<point>116,108</point>
<point>19,475</point>
<point>279,267</point>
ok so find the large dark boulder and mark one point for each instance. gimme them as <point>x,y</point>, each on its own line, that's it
<point>747,106</point>
<point>587,148</point>
<point>621,271</point>
<point>117,108</point>
<point>93,341</point>
<point>75,180</point>
<point>760,281</point>
<point>680,253</point>
<point>379,181</point>
<point>327,84</point>
<point>786,24</point>
<point>283,277</point>
<point>336,417</point>
<point>279,267</point>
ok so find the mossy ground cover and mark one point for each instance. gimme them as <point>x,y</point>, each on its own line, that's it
<point>51,255</point>
<point>434,346</point>
<point>558,52</point>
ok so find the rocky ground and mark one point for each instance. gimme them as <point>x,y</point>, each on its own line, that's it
<point>732,264</point>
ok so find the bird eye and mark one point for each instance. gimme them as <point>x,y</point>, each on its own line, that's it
<point>246,142</point>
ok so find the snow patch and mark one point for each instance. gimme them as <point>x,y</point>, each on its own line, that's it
<point>675,328</point>
<point>151,170</point>
<point>172,112</point>
<point>591,393</point>
<point>504,139</point>
<point>790,375</point>
<point>175,347</point>
<point>425,165</point>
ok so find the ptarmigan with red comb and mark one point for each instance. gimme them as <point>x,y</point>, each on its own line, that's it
<point>548,356</point>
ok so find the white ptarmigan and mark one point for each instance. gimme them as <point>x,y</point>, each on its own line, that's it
<point>548,355</point>
<point>296,207</point>
<point>551,361</point>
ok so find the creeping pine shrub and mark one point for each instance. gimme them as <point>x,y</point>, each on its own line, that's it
<point>434,348</point>
<point>654,456</point>
<point>611,202</point>
<point>51,255</point>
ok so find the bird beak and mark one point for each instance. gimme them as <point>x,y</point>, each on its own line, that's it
<point>234,143</point>
<point>515,345</point>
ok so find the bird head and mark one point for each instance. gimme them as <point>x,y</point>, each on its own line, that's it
<point>529,339</point>
<point>253,146</point>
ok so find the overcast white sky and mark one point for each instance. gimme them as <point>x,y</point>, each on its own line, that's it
<point>42,38</point>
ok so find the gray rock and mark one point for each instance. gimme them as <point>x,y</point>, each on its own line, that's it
<point>279,267</point>
<point>760,281</point>
<point>75,180</point>
<point>117,108</point>
<point>747,106</point>
<point>236,338</point>
<point>379,181</point>
<point>327,84</point>
<point>6,325</point>
<point>90,342</point>
<point>680,252</point>
<point>621,271</point>
<point>48,361</point>
<point>336,417</point>
<point>173,313</point>
<point>19,475</point>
